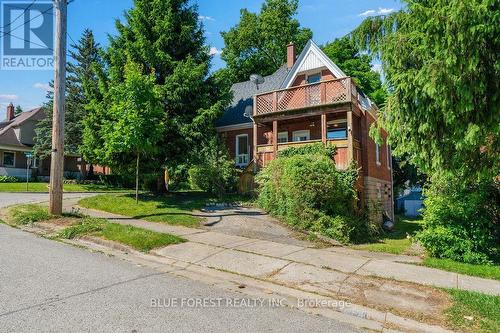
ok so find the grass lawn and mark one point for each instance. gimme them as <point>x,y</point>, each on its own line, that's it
<point>43,187</point>
<point>137,238</point>
<point>474,312</point>
<point>395,242</point>
<point>484,271</point>
<point>27,214</point>
<point>173,209</point>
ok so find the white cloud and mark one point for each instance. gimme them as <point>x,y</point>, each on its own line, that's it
<point>9,97</point>
<point>379,11</point>
<point>214,51</point>
<point>43,86</point>
<point>205,18</point>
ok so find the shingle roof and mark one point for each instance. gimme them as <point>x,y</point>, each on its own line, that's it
<point>243,93</point>
<point>7,133</point>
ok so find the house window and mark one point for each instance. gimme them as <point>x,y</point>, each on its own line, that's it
<point>314,78</point>
<point>282,137</point>
<point>304,135</point>
<point>9,158</point>
<point>337,130</point>
<point>377,153</point>
<point>242,150</point>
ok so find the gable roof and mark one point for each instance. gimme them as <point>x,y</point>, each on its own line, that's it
<point>7,134</point>
<point>243,93</point>
<point>311,57</point>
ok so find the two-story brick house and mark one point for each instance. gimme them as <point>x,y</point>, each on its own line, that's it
<point>306,101</point>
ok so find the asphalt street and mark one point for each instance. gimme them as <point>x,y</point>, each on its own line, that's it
<point>7,199</point>
<point>47,286</point>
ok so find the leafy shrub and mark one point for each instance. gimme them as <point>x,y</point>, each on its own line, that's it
<point>215,173</point>
<point>9,179</point>
<point>461,221</point>
<point>303,187</point>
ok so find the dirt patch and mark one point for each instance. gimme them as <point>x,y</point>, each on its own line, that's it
<point>406,299</point>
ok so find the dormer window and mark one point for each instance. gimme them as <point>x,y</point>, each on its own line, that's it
<point>314,78</point>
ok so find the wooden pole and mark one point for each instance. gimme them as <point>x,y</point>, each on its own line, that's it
<point>57,158</point>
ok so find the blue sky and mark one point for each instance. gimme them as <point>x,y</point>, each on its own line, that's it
<point>328,19</point>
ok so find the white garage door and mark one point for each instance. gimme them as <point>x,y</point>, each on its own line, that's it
<point>412,207</point>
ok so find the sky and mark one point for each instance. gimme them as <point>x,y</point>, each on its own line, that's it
<point>328,19</point>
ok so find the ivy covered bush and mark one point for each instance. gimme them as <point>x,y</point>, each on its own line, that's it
<point>304,189</point>
<point>461,221</point>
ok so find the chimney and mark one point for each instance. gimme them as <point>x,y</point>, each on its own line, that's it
<point>290,55</point>
<point>10,112</point>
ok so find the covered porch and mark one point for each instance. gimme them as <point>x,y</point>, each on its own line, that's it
<point>338,127</point>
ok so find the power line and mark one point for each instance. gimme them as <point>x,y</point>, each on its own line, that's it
<point>21,25</point>
<point>24,12</point>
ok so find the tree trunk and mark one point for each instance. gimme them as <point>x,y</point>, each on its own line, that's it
<point>137,180</point>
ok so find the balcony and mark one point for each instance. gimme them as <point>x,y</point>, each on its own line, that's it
<point>325,93</point>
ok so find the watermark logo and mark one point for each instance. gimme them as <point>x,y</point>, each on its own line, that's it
<point>26,35</point>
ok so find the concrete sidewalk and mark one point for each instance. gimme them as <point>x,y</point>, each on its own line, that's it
<point>266,259</point>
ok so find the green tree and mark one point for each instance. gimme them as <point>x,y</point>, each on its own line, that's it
<point>135,118</point>
<point>18,110</point>
<point>441,62</point>
<point>166,37</point>
<point>440,59</point>
<point>80,80</point>
<point>257,44</point>
<point>345,53</point>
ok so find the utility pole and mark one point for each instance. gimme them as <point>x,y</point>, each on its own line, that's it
<point>57,161</point>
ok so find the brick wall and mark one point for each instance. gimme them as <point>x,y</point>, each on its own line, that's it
<point>230,140</point>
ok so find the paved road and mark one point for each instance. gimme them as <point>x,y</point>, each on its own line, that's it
<point>7,199</point>
<point>50,286</point>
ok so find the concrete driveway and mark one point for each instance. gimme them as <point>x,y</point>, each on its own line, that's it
<point>251,223</point>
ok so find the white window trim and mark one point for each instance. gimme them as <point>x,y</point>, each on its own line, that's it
<point>298,133</point>
<point>238,155</point>
<point>3,159</point>
<point>282,134</point>
<point>377,154</point>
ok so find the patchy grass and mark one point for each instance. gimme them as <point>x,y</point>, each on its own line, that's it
<point>474,312</point>
<point>397,241</point>
<point>43,187</point>
<point>484,271</point>
<point>173,209</point>
<point>137,238</point>
<point>29,214</point>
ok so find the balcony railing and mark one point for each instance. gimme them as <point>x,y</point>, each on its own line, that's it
<point>323,93</point>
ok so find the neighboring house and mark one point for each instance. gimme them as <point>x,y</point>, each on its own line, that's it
<point>411,202</point>
<point>17,138</point>
<point>308,100</point>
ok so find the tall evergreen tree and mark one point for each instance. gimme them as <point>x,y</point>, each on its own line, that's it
<point>257,44</point>
<point>18,110</point>
<point>79,85</point>
<point>441,62</point>
<point>167,39</point>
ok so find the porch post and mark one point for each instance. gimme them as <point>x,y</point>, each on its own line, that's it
<point>275,138</point>
<point>323,128</point>
<point>350,145</point>
<point>255,157</point>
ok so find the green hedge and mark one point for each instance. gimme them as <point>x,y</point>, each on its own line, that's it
<point>461,221</point>
<point>304,188</point>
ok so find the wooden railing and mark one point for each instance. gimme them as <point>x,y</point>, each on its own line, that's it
<point>306,96</point>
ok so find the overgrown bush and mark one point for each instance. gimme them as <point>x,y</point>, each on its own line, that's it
<point>303,187</point>
<point>215,173</point>
<point>9,179</point>
<point>461,221</point>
